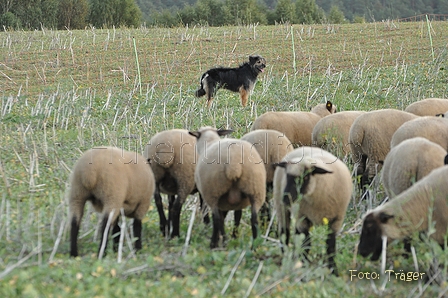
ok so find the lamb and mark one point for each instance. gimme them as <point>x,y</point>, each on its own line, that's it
<point>229,176</point>
<point>369,139</point>
<point>297,126</point>
<point>432,128</point>
<point>172,157</point>
<point>326,185</point>
<point>428,107</point>
<point>414,210</point>
<point>332,132</point>
<point>409,162</point>
<point>111,179</point>
<point>272,146</point>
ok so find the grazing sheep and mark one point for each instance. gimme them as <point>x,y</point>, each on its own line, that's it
<point>369,139</point>
<point>326,185</point>
<point>272,146</point>
<point>434,129</point>
<point>413,210</point>
<point>332,132</point>
<point>111,179</point>
<point>172,157</point>
<point>297,126</point>
<point>428,107</point>
<point>409,162</point>
<point>229,176</point>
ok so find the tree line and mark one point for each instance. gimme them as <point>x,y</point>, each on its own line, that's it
<point>77,14</point>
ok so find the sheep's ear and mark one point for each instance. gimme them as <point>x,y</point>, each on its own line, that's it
<point>440,115</point>
<point>195,134</point>
<point>381,162</point>
<point>446,159</point>
<point>318,170</point>
<point>224,132</point>
<point>383,217</point>
<point>280,164</point>
<point>329,106</point>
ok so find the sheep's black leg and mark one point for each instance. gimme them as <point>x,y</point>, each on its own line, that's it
<point>254,222</point>
<point>74,237</point>
<point>331,251</point>
<point>286,226</point>
<point>237,214</point>
<point>104,232</point>
<point>265,214</point>
<point>306,225</point>
<point>217,222</point>
<point>137,229</point>
<point>159,205</point>
<point>116,234</point>
<point>175,216</point>
<point>205,216</point>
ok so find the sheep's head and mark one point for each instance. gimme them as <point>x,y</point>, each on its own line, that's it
<point>370,241</point>
<point>324,109</point>
<point>207,135</point>
<point>299,177</point>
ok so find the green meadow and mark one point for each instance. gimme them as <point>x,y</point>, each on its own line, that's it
<point>63,92</point>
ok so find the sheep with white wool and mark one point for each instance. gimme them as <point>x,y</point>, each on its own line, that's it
<point>428,107</point>
<point>414,210</point>
<point>229,176</point>
<point>325,184</point>
<point>272,146</point>
<point>434,129</point>
<point>409,162</point>
<point>369,139</point>
<point>331,132</point>
<point>172,157</point>
<point>297,126</point>
<point>111,179</point>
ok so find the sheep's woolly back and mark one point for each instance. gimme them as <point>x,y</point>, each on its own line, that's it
<point>426,201</point>
<point>371,133</point>
<point>272,146</point>
<point>409,162</point>
<point>297,126</point>
<point>327,195</point>
<point>111,178</point>
<point>434,129</point>
<point>428,107</point>
<point>227,175</point>
<point>172,153</point>
<point>332,131</point>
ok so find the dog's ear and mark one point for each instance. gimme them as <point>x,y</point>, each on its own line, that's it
<point>253,59</point>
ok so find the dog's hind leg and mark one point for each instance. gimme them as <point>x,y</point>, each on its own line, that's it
<point>244,95</point>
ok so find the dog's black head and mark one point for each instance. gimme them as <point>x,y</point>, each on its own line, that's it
<point>257,62</point>
<point>370,241</point>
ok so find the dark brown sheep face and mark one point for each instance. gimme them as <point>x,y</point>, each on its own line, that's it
<point>370,240</point>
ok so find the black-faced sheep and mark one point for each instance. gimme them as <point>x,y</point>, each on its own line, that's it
<point>297,126</point>
<point>369,139</point>
<point>414,210</point>
<point>434,129</point>
<point>229,176</point>
<point>272,146</point>
<point>428,107</point>
<point>409,162</point>
<point>331,132</point>
<point>325,184</point>
<point>172,156</point>
<point>111,179</point>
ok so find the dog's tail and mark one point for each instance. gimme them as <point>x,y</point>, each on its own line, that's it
<point>201,91</point>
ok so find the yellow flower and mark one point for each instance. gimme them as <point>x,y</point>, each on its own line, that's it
<point>325,221</point>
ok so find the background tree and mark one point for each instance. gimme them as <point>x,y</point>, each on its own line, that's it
<point>73,14</point>
<point>284,11</point>
<point>308,12</point>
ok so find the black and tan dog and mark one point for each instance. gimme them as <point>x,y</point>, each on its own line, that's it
<point>239,79</point>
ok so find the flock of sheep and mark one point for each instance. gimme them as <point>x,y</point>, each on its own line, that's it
<point>294,154</point>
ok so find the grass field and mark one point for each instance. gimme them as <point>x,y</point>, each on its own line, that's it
<point>63,92</point>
